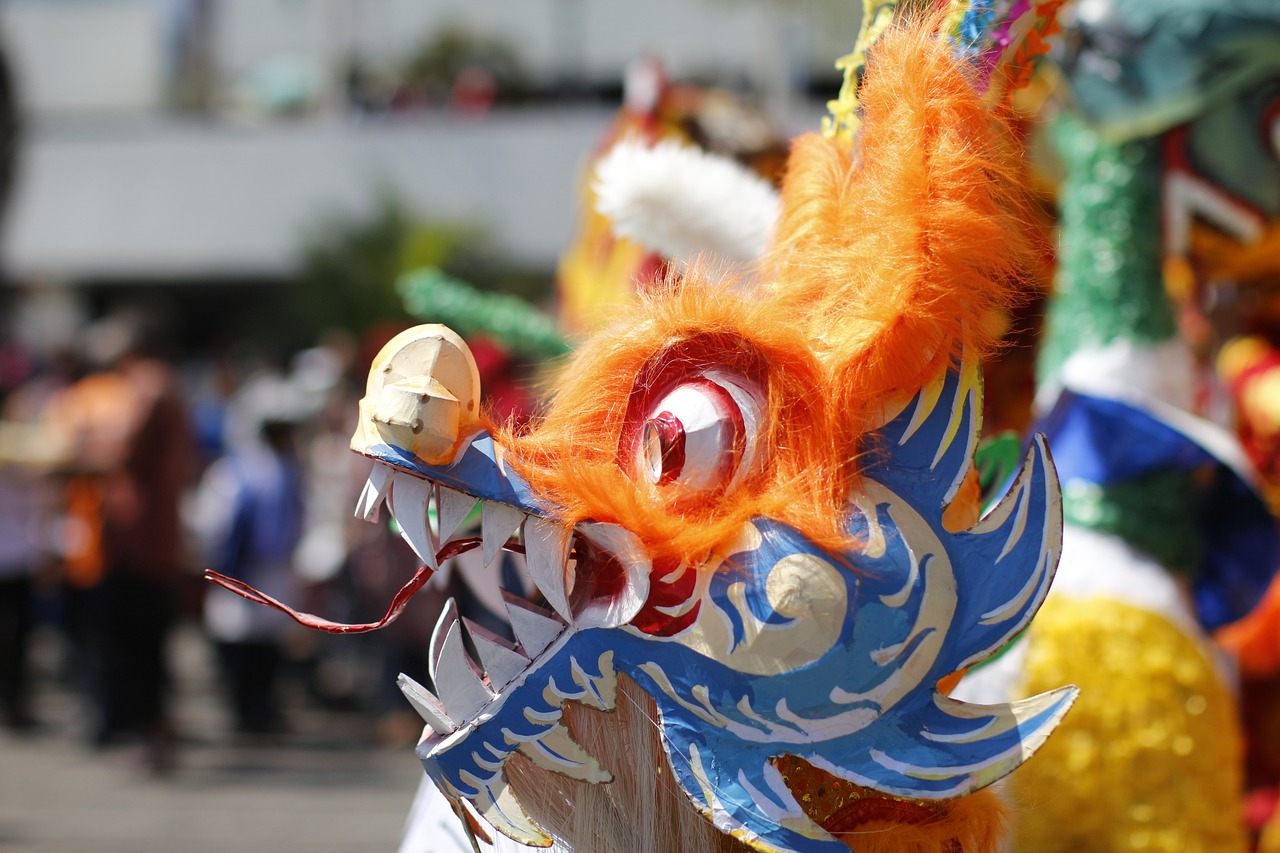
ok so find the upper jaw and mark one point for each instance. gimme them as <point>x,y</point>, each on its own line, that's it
<point>420,422</point>
<point>593,574</point>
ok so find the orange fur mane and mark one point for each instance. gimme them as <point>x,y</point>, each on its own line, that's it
<point>884,271</point>
<point>903,257</point>
<point>573,454</point>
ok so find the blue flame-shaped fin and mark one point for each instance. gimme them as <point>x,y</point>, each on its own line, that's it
<point>924,453</point>
<point>1011,556</point>
<point>955,748</point>
<point>929,745</point>
<point>1005,563</point>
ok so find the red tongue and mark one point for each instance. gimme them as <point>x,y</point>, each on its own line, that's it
<point>401,600</point>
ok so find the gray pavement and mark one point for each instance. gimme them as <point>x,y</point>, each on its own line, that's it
<point>323,788</point>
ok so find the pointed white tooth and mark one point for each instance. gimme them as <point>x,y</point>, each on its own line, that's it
<point>369,504</point>
<point>502,663</point>
<point>452,509</point>
<point>535,629</point>
<point>558,752</point>
<point>546,549</point>
<point>448,617</point>
<point>410,501</point>
<point>497,805</point>
<point>427,705</point>
<point>624,545</point>
<point>459,685</point>
<point>374,492</point>
<point>474,825</point>
<point>497,523</point>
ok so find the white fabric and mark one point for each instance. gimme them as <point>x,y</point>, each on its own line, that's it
<point>1163,372</point>
<point>1095,563</point>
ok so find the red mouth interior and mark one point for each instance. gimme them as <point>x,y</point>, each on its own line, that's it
<point>597,576</point>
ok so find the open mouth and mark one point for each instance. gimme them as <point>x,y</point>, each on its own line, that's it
<point>590,575</point>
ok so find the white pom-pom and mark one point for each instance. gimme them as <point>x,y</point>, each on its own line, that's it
<point>683,202</point>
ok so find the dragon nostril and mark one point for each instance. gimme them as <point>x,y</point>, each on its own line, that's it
<point>417,426</point>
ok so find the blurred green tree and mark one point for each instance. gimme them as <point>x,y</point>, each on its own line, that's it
<point>351,264</point>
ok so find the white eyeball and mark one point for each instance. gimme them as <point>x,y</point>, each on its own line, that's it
<point>700,435</point>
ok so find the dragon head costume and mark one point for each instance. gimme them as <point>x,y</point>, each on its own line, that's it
<point>753,498</point>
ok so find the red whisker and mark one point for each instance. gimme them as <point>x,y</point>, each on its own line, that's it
<point>398,603</point>
<point>319,623</point>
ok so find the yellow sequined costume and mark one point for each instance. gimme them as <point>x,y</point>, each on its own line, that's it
<point>1152,746</point>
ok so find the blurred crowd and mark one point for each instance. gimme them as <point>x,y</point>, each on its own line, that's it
<point>124,474</point>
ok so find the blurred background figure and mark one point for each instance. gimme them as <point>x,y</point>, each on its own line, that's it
<point>250,509</point>
<point>26,515</point>
<point>130,456</point>
<point>1161,129</point>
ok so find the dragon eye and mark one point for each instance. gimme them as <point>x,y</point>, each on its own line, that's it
<point>699,435</point>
